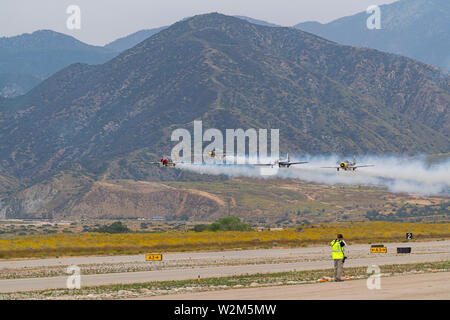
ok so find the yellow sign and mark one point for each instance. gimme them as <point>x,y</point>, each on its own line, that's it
<point>378,250</point>
<point>153,257</point>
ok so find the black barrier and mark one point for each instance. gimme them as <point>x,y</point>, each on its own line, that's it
<point>404,250</point>
<point>377,245</point>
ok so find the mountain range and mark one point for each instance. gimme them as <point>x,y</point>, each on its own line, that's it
<point>99,121</point>
<point>414,28</point>
<point>418,29</point>
<point>27,59</point>
<point>323,96</point>
<point>133,39</point>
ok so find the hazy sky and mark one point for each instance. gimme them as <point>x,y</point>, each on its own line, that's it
<point>103,21</point>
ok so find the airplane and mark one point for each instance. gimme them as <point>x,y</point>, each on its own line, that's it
<point>213,155</point>
<point>282,163</point>
<point>168,162</point>
<point>349,166</point>
<point>164,162</point>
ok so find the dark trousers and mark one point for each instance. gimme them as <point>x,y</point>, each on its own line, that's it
<point>338,268</point>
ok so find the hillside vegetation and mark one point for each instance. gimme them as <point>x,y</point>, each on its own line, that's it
<point>73,145</point>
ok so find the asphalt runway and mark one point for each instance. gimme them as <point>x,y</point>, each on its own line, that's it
<point>239,262</point>
<point>307,253</point>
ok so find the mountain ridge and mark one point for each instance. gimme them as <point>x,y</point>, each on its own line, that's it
<point>230,73</point>
<point>27,59</point>
<point>73,145</point>
<point>416,29</point>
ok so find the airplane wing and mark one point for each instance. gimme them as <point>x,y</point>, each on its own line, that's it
<point>330,167</point>
<point>291,163</point>
<point>277,164</point>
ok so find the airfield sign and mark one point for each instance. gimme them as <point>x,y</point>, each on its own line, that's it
<point>378,249</point>
<point>153,257</point>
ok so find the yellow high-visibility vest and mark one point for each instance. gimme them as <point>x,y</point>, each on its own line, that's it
<point>337,251</point>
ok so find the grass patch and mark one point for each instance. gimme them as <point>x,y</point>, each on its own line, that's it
<point>87,243</point>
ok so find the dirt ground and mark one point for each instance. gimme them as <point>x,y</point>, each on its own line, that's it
<point>429,286</point>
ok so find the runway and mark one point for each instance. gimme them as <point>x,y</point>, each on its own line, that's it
<point>182,266</point>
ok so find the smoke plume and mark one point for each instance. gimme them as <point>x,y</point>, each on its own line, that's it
<point>398,174</point>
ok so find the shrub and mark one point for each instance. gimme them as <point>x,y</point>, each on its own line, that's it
<point>224,224</point>
<point>215,226</point>
<point>200,227</point>
<point>115,227</point>
<point>144,225</point>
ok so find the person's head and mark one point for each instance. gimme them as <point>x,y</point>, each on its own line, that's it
<point>340,236</point>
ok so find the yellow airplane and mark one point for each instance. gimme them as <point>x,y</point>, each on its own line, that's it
<point>349,166</point>
<point>214,155</point>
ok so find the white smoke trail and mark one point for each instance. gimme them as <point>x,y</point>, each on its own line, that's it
<point>396,173</point>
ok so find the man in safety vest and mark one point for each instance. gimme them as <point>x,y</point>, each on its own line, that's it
<point>338,256</point>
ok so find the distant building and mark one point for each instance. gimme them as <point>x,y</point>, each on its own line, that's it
<point>157,218</point>
<point>269,229</point>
